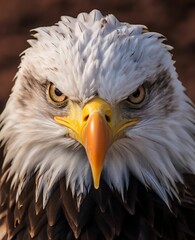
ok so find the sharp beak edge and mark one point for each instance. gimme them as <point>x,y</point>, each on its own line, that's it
<point>96,140</point>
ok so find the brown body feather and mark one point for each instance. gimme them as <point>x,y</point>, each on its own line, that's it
<point>103,215</point>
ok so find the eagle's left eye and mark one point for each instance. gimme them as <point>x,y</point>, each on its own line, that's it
<point>137,96</point>
<point>55,95</point>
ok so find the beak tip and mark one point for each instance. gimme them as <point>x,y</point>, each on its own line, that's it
<point>96,186</point>
<point>96,181</point>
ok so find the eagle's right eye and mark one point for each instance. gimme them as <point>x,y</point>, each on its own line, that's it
<point>55,95</point>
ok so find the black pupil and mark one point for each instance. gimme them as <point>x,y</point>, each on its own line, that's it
<point>136,93</point>
<point>58,92</point>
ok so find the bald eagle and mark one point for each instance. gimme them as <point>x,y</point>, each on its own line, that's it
<point>98,137</point>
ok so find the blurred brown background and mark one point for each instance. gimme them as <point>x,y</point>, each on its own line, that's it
<point>174,19</point>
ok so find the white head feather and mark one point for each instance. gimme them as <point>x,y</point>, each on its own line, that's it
<point>85,56</point>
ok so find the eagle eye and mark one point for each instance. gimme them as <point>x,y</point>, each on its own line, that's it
<point>137,96</point>
<point>55,95</point>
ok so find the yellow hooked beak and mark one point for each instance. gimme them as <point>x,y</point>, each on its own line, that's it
<point>95,126</point>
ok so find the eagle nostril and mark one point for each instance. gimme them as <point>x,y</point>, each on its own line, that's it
<point>107,118</point>
<point>86,118</point>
